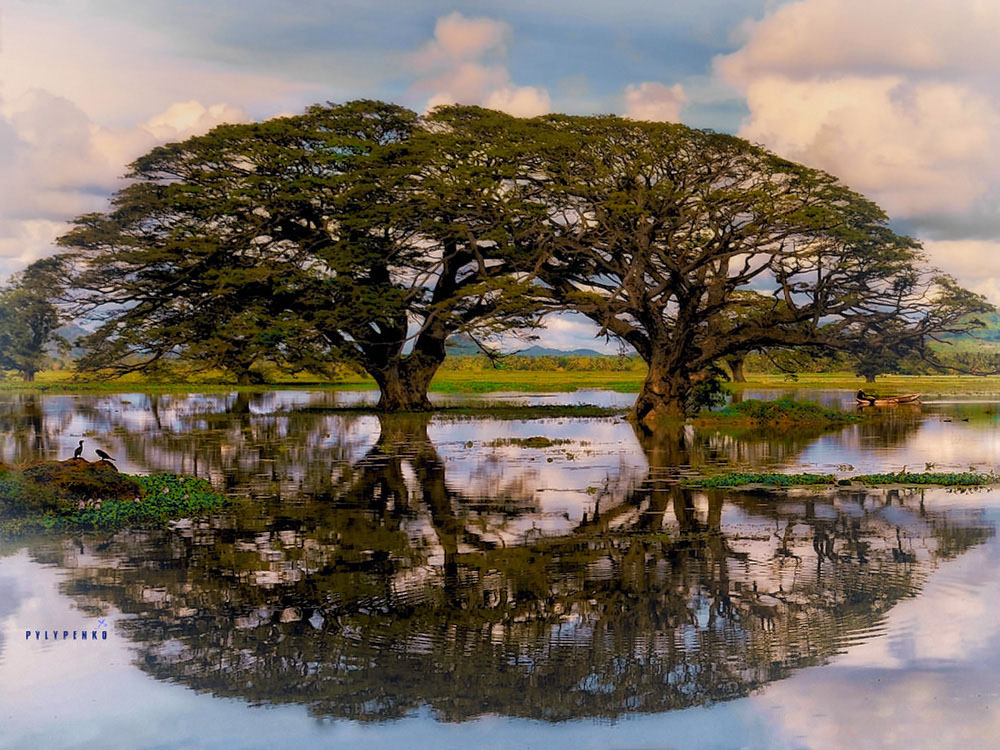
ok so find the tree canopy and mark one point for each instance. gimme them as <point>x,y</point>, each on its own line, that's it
<point>28,317</point>
<point>694,247</point>
<point>354,233</point>
<point>363,233</point>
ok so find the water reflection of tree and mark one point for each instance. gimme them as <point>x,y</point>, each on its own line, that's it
<point>391,591</point>
<point>737,447</point>
<point>886,427</point>
<point>26,431</point>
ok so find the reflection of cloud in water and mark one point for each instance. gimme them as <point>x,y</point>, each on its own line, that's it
<point>601,457</point>
<point>930,683</point>
<point>950,446</point>
<point>10,601</point>
<point>196,601</point>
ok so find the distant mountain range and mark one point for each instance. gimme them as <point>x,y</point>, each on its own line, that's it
<point>990,333</point>
<point>459,346</point>
<point>71,332</point>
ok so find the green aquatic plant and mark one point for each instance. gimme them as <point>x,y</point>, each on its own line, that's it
<point>942,479</point>
<point>75,495</point>
<point>537,441</point>
<point>721,481</point>
<point>781,411</point>
<point>164,497</point>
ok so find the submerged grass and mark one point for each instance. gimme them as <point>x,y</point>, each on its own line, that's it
<point>536,441</point>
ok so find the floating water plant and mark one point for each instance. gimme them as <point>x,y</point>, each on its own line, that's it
<point>942,479</point>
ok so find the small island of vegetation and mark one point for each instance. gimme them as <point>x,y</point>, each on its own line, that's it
<point>80,495</point>
<point>778,413</point>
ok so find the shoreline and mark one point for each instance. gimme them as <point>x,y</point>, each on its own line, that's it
<point>520,381</point>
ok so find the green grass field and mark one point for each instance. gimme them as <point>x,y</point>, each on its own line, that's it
<point>487,381</point>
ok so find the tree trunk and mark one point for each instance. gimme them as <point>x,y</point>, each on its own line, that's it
<point>736,366</point>
<point>241,404</point>
<point>663,396</point>
<point>869,378</point>
<point>403,385</point>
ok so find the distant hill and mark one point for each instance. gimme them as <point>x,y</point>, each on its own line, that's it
<point>544,351</point>
<point>990,334</point>
<point>459,346</point>
<point>71,332</point>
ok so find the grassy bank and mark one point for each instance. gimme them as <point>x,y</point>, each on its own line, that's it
<point>527,381</point>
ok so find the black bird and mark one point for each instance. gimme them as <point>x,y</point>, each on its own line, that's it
<point>79,450</point>
<point>104,456</point>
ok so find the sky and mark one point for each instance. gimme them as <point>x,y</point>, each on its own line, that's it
<point>898,98</point>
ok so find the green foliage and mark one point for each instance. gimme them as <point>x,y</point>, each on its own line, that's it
<point>706,394</point>
<point>537,441</point>
<point>312,239</point>
<point>28,317</point>
<point>75,495</point>
<point>768,480</point>
<point>68,482</point>
<point>783,410</point>
<point>366,235</point>
<point>949,479</point>
<point>163,497</point>
<point>962,479</point>
<point>691,222</point>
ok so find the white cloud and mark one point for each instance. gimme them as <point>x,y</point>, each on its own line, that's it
<point>969,261</point>
<point>655,102</point>
<point>119,72</point>
<point>459,38</point>
<point>465,64</point>
<point>816,38</point>
<point>56,163</point>
<point>915,147</point>
<point>573,331</point>
<point>81,95</point>
<point>523,101</point>
<point>898,98</point>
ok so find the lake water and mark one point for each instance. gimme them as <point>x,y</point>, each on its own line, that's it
<point>434,582</point>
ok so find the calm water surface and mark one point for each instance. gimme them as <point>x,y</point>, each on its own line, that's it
<point>432,582</point>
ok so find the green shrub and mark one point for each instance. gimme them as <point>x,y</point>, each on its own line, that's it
<point>783,410</point>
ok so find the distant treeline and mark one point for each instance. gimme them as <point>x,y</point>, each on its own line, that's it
<point>545,364</point>
<point>777,363</point>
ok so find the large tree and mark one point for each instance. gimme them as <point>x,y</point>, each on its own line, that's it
<point>659,231</point>
<point>358,233</point>
<point>28,317</point>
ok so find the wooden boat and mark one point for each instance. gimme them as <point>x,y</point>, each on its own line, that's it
<point>906,398</point>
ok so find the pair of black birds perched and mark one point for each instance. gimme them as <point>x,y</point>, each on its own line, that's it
<point>78,453</point>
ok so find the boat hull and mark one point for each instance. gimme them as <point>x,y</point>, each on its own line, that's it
<point>908,398</point>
